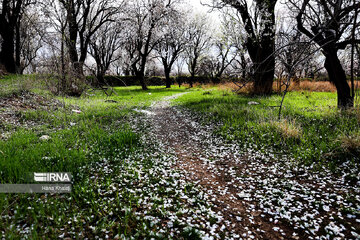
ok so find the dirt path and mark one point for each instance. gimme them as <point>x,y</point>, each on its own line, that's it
<point>258,197</point>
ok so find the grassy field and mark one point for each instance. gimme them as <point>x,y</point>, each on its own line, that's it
<point>87,137</point>
<point>91,137</point>
<point>311,129</point>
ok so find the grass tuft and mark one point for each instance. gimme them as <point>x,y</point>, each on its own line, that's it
<point>351,143</point>
<point>288,129</point>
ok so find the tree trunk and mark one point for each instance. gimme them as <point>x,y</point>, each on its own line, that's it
<point>7,52</point>
<point>338,77</point>
<point>264,67</point>
<point>263,82</point>
<point>141,77</point>
<point>142,82</point>
<point>79,69</point>
<point>191,80</point>
<point>100,79</point>
<point>261,49</point>
<point>62,83</point>
<point>192,73</point>
<point>17,49</point>
<point>167,78</point>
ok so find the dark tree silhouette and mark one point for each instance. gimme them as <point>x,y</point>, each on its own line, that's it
<point>84,18</point>
<point>327,23</point>
<point>103,47</point>
<point>259,26</point>
<point>11,14</point>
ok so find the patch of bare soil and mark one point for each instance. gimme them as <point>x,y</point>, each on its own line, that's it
<point>259,197</point>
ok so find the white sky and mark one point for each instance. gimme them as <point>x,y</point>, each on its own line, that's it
<point>198,7</point>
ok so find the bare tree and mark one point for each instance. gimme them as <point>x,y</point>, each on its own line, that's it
<point>84,18</point>
<point>30,32</point>
<point>198,39</point>
<point>103,47</point>
<point>258,21</point>
<point>292,46</point>
<point>145,17</point>
<point>55,45</point>
<point>171,44</point>
<point>327,23</point>
<point>233,30</point>
<point>225,54</point>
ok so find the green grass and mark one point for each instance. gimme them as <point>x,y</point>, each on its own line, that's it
<point>12,84</point>
<point>71,134</point>
<point>310,130</point>
<point>99,148</point>
<point>79,143</point>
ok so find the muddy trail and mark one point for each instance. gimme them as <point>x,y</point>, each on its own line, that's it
<point>258,195</point>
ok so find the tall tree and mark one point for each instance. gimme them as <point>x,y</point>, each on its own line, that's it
<point>11,14</point>
<point>145,17</point>
<point>30,32</point>
<point>198,39</point>
<point>84,18</point>
<point>172,44</point>
<point>328,24</point>
<point>225,55</point>
<point>55,41</point>
<point>259,25</point>
<point>234,32</point>
<point>103,47</point>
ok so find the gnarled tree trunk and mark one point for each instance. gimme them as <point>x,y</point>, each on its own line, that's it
<point>264,73</point>
<point>338,77</point>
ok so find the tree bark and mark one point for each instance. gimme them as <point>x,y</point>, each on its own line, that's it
<point>338,77</point>
<point>263,58</point>
<point>264,77</point>
<point>191,80</point>
<point>261,49</point>
<point>17,49</point>
<point>140,76</point>
<point>7,51</point>
<point>167,78</point>
<point>100,79</point>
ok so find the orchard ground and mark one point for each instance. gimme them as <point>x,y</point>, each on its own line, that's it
<point>180,163</point>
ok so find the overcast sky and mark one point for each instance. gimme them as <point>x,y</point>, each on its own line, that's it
<point>198,7</point>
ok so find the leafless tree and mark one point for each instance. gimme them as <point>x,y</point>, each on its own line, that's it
<point>225,54</point>
<point>198,39</point>
<point>292,46</point>
<point>328,24</point>
<point>103,48</point>
<point>145,17</point>
<point>30,32</point>
<point>84,18</point>
<point>172,43</point>
<point>233,29</point>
